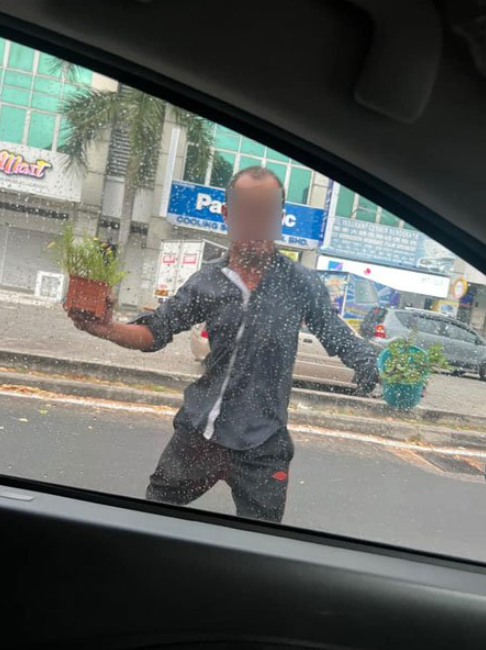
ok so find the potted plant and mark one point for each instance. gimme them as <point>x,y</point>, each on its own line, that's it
<point>92,269</point>
<point>405,370</point>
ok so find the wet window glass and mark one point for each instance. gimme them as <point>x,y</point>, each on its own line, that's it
<point>429,325</point>
<point>459,333</point>
<point>191,316</point>
<point>406,319</point>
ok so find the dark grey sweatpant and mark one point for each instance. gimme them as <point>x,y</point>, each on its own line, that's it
<point>190,465</point>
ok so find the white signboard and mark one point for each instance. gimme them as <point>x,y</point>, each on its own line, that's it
<point>38,172</point>
<point>425,284</point>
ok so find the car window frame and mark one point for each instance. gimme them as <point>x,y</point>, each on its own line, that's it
<point>318,159</point>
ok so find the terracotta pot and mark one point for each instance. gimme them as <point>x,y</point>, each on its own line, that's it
<point>87,295</point>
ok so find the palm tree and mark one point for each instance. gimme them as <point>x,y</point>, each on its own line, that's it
<point>69,71</point>
<point>139,118</point>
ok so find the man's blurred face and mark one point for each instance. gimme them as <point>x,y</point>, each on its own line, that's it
<point>253,213</point>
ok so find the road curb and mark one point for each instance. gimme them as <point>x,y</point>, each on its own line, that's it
<point>93,369</point>
<point>301,398</point>
<point>384,427</point>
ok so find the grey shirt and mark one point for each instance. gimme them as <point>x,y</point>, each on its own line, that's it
<point>243,396</point>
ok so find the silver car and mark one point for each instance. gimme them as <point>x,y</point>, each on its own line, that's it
<point>312,365</point>
<point>464,349</point>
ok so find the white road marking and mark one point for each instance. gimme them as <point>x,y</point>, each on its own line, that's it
<point>393,444</point>
<point>92,402</point>
<point>168,412</point>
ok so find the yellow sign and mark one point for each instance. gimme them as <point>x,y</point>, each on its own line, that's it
<point>355,323</point>
<point>459,288</point>
<point>446,307</point>
<point>294,255</point>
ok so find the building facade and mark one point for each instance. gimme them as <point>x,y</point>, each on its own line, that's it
<point>37,194</point>
<point>326,226</point>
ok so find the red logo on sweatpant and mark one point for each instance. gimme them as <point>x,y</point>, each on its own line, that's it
<point>280,476</point>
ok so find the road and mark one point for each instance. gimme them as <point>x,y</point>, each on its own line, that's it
<point>41,329</point>
<point>416,499</point>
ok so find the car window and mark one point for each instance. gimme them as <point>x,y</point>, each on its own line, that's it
<point>428,325</point>
<point>156,268</point>
<point>459,333</point>
<point>405,319</point>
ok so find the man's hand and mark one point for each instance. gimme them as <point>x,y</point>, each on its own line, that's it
<point>86,322</point>
<point>366,378</point>
<point>131,336</point>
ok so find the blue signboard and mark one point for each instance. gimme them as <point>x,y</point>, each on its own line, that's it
<point>199,206</point>
<point>399,247</point>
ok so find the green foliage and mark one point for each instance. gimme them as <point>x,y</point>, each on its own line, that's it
<point>408,365</point>
<point>86,258</point>
<point>66,69</point>
<point>88,113</point>
<point>139,117</point>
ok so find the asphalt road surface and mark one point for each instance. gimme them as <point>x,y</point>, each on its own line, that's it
<point>426,501</point>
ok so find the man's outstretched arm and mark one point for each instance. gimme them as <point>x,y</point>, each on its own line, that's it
<point>150,332</point>
<point>131,336</point>
<point>337,337</point>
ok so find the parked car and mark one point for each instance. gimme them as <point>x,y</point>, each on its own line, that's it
<point>312,365</point>
<point>464,349</point>
<point>437,265</point>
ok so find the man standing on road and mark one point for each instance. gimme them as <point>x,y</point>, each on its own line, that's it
<point>233,423</point>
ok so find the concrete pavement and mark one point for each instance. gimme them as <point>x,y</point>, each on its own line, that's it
<point>45,329</point>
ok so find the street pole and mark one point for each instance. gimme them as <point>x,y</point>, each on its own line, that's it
<point>169,171</point>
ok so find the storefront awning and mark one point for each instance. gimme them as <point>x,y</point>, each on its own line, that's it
<point>425,284</point>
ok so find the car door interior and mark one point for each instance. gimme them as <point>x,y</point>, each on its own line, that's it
<point>89,570</point>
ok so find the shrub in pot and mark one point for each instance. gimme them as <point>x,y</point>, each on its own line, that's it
<point>405,370</point>
<point>92,269</point>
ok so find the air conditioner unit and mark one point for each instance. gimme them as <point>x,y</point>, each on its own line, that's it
<point>50,286</point>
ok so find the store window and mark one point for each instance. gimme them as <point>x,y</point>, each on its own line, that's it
<point>20,57</point>
<point>366,210</point>
<point>233,152</point>
<point>32,88</point>
<point>299,185</point>
<point>222,168</point>
<point>345,203</point>
<point>388,219</point>
<point>12,124</point>
<point>353,206</point>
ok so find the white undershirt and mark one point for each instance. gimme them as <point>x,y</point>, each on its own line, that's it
<point>245,293</point>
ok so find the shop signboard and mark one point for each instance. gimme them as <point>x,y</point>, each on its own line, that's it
<point>403,280</point>
<point>199,207</point>
<point>37,171</point>
<point>379,244</point>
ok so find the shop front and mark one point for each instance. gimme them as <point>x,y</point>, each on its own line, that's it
<point>36,197</point>
<point>367,285</point>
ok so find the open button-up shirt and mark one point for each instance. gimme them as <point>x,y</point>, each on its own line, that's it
<point>242,398</point>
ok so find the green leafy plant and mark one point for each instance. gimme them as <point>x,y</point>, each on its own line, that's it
<point>137,119</point>
<point>406,364</point>
<point>86,258</point>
